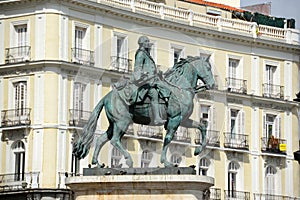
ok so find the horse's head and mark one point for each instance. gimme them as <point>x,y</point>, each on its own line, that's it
<point>204,71</point>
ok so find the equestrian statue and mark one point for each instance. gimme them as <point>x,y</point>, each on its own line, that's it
<point>149,97</point>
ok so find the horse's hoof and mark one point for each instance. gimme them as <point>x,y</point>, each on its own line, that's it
<point>197,151</point>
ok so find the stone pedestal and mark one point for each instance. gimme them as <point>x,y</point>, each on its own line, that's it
<point>139,187</point>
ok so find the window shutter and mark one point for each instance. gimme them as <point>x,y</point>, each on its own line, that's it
<point>76,96</point>
<point>277,129</point>
<point>114,46</point>
<point>242,121</point>
<point>264,126</point>
<point>228,120</point>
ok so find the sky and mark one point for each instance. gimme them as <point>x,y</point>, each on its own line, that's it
<point>280,8</point>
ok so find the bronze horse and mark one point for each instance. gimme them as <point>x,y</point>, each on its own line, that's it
<point>182,83</point>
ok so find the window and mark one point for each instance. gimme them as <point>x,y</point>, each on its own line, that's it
<point>203,166</point>
<point>176,159</point>
<point>81,101</point>
<point>232,178</point>
<point>234,80</point>
<point>115,157</point>
<point>207,115</point>
<point>271,86</point>
<point>270,180</point>
<point>21,35</point>
<point>272,126</point>
<point>236,122</point>
<point>232,68</point>
<point>79,44</point>
<point>177,52</point>
<point>146,159</point>
<point>270,73</point>
<point>18,149</point>
<point>75,165</point>
<point>20,98</point>
<point>120,59</point>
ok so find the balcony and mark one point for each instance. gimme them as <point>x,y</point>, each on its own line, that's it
<point>215,194</point>
<point>213,138</point>
<point>83,56</point>
<point>182,135</point>
<point>121,64</point>
<point>236,85</point>
<point>236,141</point>
<point>15,117</point>
<point>273,91</point>
<point>78,117</point>
<point>236,195</point>
<point>272,197</point>
<point>17,54</point>
<point>273,145</point>
<point>150,132</point>
<point>9,182</point>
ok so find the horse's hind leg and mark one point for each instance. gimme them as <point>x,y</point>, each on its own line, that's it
<point>202,127</point>
<point>99,144</point>
<point>116,142</point>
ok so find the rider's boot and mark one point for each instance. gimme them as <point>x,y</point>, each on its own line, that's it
<point>157,119</point>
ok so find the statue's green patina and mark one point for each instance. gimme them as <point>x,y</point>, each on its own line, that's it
<point>129,103</point>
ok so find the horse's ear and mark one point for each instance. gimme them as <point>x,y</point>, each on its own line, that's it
<point>208,57</point>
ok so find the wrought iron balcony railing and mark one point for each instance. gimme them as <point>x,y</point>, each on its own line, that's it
<point>83,56</point>
<point>10,182</point>
<point>212,136</point>
<point>215,194</point>
<point>236,141</point>
<point>273,197</point>
<point>121,64</point>
<point>273,91</point>
<point>273,145</point>
<point>182,137</point>
<point>78,117</point>
<point>15,117</point>
<point>236,85</point>
<point>150,132</point>
<point>17,54</point>
<point>236,195</point>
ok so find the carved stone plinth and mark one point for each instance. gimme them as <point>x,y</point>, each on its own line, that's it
<point>139,187</point>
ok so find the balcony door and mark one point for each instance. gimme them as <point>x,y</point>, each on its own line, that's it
<point>270,179</point>
<point>232,72</point>
<point>20,100</point>
<point>80,101</point>
<point>18,149</point>
<point>21,41</point>
<point>120,60</point>
<point>232,179</point>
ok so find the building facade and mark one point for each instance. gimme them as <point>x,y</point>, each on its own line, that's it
<point>59,58</point>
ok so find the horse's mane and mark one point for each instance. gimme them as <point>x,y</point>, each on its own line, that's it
<point>172,74</point>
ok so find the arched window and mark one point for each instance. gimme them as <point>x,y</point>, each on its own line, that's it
<point>176,159</point>
<point>115,157</point>
<point>270,179</point>
<point>232,178</point>
<point>146,159</point>
<point>203,166</point>
<point>18,149</point>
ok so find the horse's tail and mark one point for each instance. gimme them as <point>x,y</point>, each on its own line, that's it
<point>82,146</point>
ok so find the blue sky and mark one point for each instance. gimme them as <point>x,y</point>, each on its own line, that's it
<point>280,8</point>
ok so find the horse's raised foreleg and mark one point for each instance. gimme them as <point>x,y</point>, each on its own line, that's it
<point>99,144</point>
<point>202,127</point>
<point>171,129</point>
<point>116,142</point>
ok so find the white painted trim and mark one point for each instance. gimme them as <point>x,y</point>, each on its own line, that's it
<point>38,99</point>
<point>255,82</point>
<point>255,174</point>
<point>13,32</point>
<point>98,45</point>
<point>37,151</point>
<point>40,33</point>
<point>288,87</point>
<point>277,78</point>
<point>62,99</point>
<point>63,38</point>
<point>2,146</point>
<point>1,99</point>
<point>61,150</point>
<point>97,98</point>
<point>87,39</point>
<point>288,132</point>
<point>9,158</point>
<point>255,139</point>
<point>289,178</point>
<point>2,32</point>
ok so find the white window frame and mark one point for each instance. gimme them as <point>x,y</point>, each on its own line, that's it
<point>19,166</point>
<point>80,56</point>
<point>11,91</point>
<point>13,35</point>
<point>146,158</point>
<point>270,179</point>
<point>232,171</point>
<point>240,119</point>
<point>122,56</point>
<point>276,78</point>
<point>84,99</point>
<point>204,164</point>
<point>176,47</point>
<point>239,69</point>
<point>175,157</point>
<point>277,130</point>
